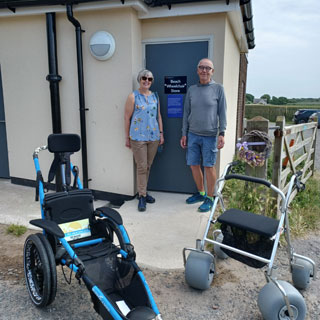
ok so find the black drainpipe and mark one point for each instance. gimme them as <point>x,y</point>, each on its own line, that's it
<point>81,94</point>
<point>53,77</point>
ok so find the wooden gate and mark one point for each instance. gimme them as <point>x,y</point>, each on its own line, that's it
<point>294,150</point>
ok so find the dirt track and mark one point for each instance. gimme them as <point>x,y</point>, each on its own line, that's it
<point>233,294</point>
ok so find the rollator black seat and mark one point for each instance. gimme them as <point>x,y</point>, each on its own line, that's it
<point>62,207</point>
<point>252,222</point>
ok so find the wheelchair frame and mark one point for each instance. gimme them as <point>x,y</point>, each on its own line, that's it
<point>66,255</point>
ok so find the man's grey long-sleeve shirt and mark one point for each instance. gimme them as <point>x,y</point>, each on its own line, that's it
<point>205,110</point>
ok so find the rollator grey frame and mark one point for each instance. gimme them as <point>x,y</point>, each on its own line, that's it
<point>283,226</point>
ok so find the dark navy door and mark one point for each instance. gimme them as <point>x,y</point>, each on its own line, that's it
<point>4,164</point>
<point>177,61</point>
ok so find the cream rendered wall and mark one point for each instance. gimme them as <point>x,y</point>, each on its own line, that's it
<point>24,63</point>
<point>107,85</point>
<point>230,82</point>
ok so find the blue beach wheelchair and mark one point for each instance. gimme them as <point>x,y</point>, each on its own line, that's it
<point>92,243</point>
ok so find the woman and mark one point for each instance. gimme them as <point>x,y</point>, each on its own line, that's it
<point>144,132</point>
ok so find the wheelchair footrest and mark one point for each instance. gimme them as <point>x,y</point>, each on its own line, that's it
<point>248,221</point>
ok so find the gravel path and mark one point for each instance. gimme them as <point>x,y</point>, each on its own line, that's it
<point>233,294</point>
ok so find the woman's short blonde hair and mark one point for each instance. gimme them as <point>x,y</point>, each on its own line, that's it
<point>144,73</point>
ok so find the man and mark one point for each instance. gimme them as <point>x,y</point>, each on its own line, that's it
<point>204,124</point>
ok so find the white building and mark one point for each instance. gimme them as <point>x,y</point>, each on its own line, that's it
<point>168,37</point>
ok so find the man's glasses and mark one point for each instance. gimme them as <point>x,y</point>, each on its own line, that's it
<point>150,79</point>
<point>202,68</point>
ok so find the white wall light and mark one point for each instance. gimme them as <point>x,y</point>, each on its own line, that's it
<point>102,45</point>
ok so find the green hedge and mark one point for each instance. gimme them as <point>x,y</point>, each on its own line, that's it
<point>272,111</point>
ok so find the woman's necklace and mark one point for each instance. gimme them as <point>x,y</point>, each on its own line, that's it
<point>145,94</point>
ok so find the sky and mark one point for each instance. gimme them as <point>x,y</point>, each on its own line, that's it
<point>286,58</point>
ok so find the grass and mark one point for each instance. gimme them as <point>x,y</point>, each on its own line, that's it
<point>304,210</point>
<point>16,230</point>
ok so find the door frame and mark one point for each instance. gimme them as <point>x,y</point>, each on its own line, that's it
<point>199,38</point>
<point>176,40</point>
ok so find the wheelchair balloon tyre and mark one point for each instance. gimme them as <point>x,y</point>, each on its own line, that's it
<point>37,271</point>
<point>52,265</point>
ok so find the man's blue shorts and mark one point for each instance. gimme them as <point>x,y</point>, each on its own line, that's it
<point>201,147</point>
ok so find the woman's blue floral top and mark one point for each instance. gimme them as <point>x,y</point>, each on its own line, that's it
<point>144,121</point>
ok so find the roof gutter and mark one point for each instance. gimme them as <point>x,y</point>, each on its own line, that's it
<point>88,6</point>
<point>246,9</point>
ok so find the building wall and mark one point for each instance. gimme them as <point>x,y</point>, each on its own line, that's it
<point>24,63</point>
<point>230,83</point>
<point>241,93</point>
<point>107,83</point>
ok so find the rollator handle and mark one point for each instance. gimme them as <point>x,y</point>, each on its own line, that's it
<point>249,179</point>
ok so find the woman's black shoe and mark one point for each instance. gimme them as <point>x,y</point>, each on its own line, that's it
<point>150,199</point>
<point>142,205</point>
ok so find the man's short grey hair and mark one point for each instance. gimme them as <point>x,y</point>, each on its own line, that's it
<point>144,73</point>
<point>206,59</point>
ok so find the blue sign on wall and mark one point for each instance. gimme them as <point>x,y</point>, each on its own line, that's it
<point>175,105</point>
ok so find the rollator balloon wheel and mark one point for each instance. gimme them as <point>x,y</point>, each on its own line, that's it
<point>302,270</point>
<point>37,271</point>
<point>199,270</point>
<point>272,304</point>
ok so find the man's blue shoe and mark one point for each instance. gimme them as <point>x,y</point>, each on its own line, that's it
<point>206,206</point>
<point>197,197</point>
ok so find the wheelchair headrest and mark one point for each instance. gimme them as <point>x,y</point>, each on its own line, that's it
<point>63,142</point>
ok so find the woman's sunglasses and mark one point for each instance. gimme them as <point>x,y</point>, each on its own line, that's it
<point>147,78</point>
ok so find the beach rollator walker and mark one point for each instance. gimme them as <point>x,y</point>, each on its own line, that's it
<point>92,243</point>
<point>253,239</point>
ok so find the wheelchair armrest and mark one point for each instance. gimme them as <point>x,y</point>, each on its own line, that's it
<point>110,213</point>
<point>49,226</point>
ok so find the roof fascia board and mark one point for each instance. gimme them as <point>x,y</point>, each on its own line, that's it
<point>235,19</point>
<point>186,9</point>
<point>137,5</point>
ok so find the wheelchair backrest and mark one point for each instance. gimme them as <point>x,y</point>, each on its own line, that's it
<point>63,142</point>
<point>72,209</point>
<point>63,145</point>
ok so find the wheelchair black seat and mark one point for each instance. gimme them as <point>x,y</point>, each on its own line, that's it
<point>67,206</point>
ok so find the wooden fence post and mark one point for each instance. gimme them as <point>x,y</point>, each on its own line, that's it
<point>277,156</point>
<point>261,124</point>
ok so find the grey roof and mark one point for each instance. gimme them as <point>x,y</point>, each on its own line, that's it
<point>246,9</point>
